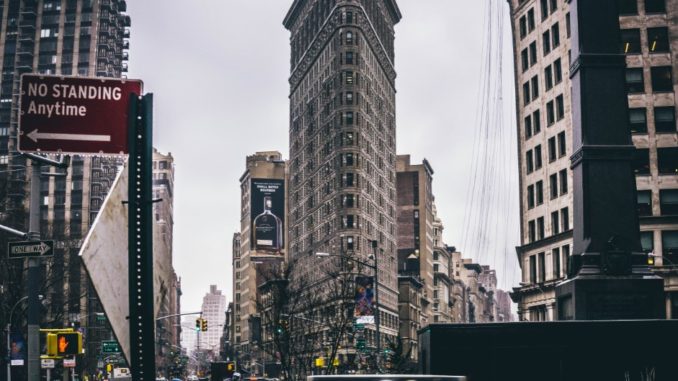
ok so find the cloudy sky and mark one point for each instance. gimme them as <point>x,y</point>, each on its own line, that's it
<point>218,70</point>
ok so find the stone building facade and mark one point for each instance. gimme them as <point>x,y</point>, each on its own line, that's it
<point>342,192</point>
<point>63,37</point>
<point>541,34</point>
<point>264,165</point>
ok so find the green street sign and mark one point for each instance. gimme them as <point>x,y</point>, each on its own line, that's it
<point>101,317</point>
<point>110,347</point>
<point>359,327</point>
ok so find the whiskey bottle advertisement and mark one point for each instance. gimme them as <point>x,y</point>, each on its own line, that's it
<point>267,211</point>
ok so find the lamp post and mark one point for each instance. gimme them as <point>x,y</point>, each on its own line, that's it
<point>9,339</point>
<point>375,267</point>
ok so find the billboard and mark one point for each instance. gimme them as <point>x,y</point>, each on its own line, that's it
<point>267,211</point>
<point>364,299</point>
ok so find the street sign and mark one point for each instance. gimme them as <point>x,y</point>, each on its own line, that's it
<point>69,363</point>
<point>24,249</point>
<point>75,114</point>
<point>110,347</point>
<point>47,363</point>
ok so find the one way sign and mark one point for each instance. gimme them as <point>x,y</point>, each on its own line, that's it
<point>24,249</point>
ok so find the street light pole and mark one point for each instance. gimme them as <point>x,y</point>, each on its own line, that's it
<point>378,301</point>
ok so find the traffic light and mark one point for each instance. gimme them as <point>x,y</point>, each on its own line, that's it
<point>69,343</point>
<point>198,324</point>
<point>230,369</point>
<point>203,325</point>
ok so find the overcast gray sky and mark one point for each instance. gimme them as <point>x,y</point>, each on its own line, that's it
<point>218,70</point>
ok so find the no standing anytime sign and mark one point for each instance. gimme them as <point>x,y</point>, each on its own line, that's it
<point>75,114</point>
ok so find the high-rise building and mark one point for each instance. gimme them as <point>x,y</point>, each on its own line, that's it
<point>342,186</point>
<point>541,33</point>
<point>263,212</point>
<point>189,335</point>
<point>64,37</point>
<point>415,220</point>
<point>214,311</point>
<point>168,330</point>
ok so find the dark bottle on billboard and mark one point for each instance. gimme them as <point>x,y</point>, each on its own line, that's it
<point>267,229</point>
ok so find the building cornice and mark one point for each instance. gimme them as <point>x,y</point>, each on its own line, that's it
<point>322,38</point>
<point>293,13</point>
<point>543,242</point>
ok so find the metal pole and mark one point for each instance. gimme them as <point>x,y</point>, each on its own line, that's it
<point>33,278</point>
<point>9,350</point>
<point>49,374</point>
<point>376,295</point>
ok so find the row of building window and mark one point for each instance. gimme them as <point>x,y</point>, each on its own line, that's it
<point>657,40</point>
<point>667,161</point>
<point>526,22</point>
<point>560,222</point>
<point>557,188</point>
<point>630,7</point>
<point>661,77</point>
<point>560,257</point>
<point>557,148</point>
<point>668,202</point>
<point>664,119</point>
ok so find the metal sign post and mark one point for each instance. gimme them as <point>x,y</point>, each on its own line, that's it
<point>140,209</point>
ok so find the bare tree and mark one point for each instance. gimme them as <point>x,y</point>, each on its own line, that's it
<point>304,318</point>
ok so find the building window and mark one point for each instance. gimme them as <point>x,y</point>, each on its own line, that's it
<point>565,219</point>
<point>567,25</point>
<point>638,120</point>
<point>542,266</point>
<point>529,161</point>
<point>641,161</point>
<point>560,107</point>
<point>526,93</point>
<point>667,160</point>
<point>563,181</point>
<point>555,223</point>
<point>562,145</point>
<point>647,241</point>
<point>658,40</point>
<point>530,20</point>
<point>524,60</point>
<point>661,78</point>
<point>566,257</point>
<point>548,78</point>
<point>540,192</point>
<point>533,269</point>
<point>555,255</point>
<point>655,6</point>
<point>555,35</point>
<point>630,41</point>
<point>536,121</point>
<point>550,114</point>
<point>552,149</point>
<point>644,203</point>
<point>634,81</point>
<point>668,202</point>
<point>523,27</point>
<point>531,232</point>
<point>537,157</point>
<point>540,228</point>
<point>553,186</point>
<point>349,58</point>
<point>670,246</point>
<point>544,9</point>
<point>535,87</point>
<point>665,119</point>
<point>349,38</point>
<point>533,53</point>
<point>528,126</point>
<point>554,5</point>
<point>557,71</point>
<point>348,76</point>
<point>628,7</point>
<point>530,197</point>
<point>546,42</point>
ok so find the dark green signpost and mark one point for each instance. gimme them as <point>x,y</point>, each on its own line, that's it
<point>110,347</point>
